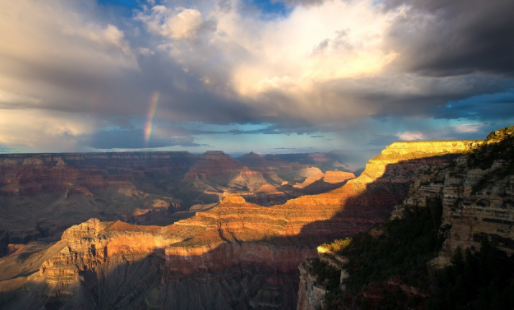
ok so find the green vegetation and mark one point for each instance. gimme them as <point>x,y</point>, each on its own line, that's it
<point>401,251</point>
<point>482,280</point>
<point>338,245</point>
<point>485,156</point>
<point>390,269</point>
<point>327,276</point>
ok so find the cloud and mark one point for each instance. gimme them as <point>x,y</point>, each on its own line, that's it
<point>444,38</point>
<point>454,132</point>
<point>74,77</point>
<point>184,24</point>
<point>43,130</point>
<point>303,2</point>
<point>57,58</point>
<point>487,107</point>
<point>411,136</point>
<point>336,61</point>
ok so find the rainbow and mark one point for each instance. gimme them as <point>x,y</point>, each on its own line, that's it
<point>154,100</point>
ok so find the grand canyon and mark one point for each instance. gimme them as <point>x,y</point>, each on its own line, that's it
<point>256,154</point>
<point>177,230</point>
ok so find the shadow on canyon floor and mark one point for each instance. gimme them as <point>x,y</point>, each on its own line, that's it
<point>252,279</point>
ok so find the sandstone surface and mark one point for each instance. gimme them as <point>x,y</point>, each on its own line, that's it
<point>235,254</point>
<point>232,241</point>
<point>43,194</point>
<point>475,192</point>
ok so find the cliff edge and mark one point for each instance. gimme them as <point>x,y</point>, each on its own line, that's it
<point>443,238</point>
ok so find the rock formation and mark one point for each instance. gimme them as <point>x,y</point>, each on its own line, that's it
<point>43,194</point>
<point>475,192</point>
<point>234,255</point>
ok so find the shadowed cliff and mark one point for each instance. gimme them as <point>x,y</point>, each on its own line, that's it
<point>43,194</point>
<point>256,249</point>
<point>447,245</point>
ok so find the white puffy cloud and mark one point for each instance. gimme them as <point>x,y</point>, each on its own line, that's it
<point>43,130</point>
<point>283,66</point>
<point>179,23</point>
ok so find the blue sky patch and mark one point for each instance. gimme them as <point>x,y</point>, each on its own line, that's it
<point>270,9</point>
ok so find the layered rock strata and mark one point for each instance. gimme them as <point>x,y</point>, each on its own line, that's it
<point>476,194</point>
<point>237,233</point>
<point>43,194</point>
<point>398,172</point>
<point>257,249</point>
<point>311,293</point>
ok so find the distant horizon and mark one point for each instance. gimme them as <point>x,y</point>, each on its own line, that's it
<point>356,160</point>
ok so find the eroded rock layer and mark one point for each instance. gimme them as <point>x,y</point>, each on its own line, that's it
<point>43,194</point>
<point>475,193</point>
<point>235,255</point>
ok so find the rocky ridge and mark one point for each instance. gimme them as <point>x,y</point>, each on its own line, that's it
<point>43,194</point>
<point>233,241</point>
<point>475,192</point>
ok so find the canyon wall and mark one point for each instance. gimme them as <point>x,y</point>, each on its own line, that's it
<point>236,255</point>
<point>475,193</point>
<point>43,194</point>
<point>387,177</point>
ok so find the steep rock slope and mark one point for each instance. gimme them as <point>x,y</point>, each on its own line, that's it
<point>236,255</point>
<point>43,194</point>
<point>474,194</point>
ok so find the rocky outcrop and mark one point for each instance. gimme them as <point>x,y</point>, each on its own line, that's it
<point>312,291</point>
<point>475,192</point>
<point>311,295</point>
<point>245,236</point>
<point>402,172</point>
<point>237,253</point>
<point>29,174</point>
<point>334,177</point>
<point>324,161</point>
<point>13,248</point>
<point>147,187</point>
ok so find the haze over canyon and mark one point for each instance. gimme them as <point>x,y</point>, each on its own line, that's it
<point>208,232</point>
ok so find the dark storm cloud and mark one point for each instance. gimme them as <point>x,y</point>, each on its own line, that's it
<point>183,97</point>
<point>443,38</point>
<point>89,86</point>
<point>415,95</point>
<point>499,106</point>
<point>122,123</point>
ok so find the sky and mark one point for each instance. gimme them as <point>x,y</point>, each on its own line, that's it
<point>268,76</point>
